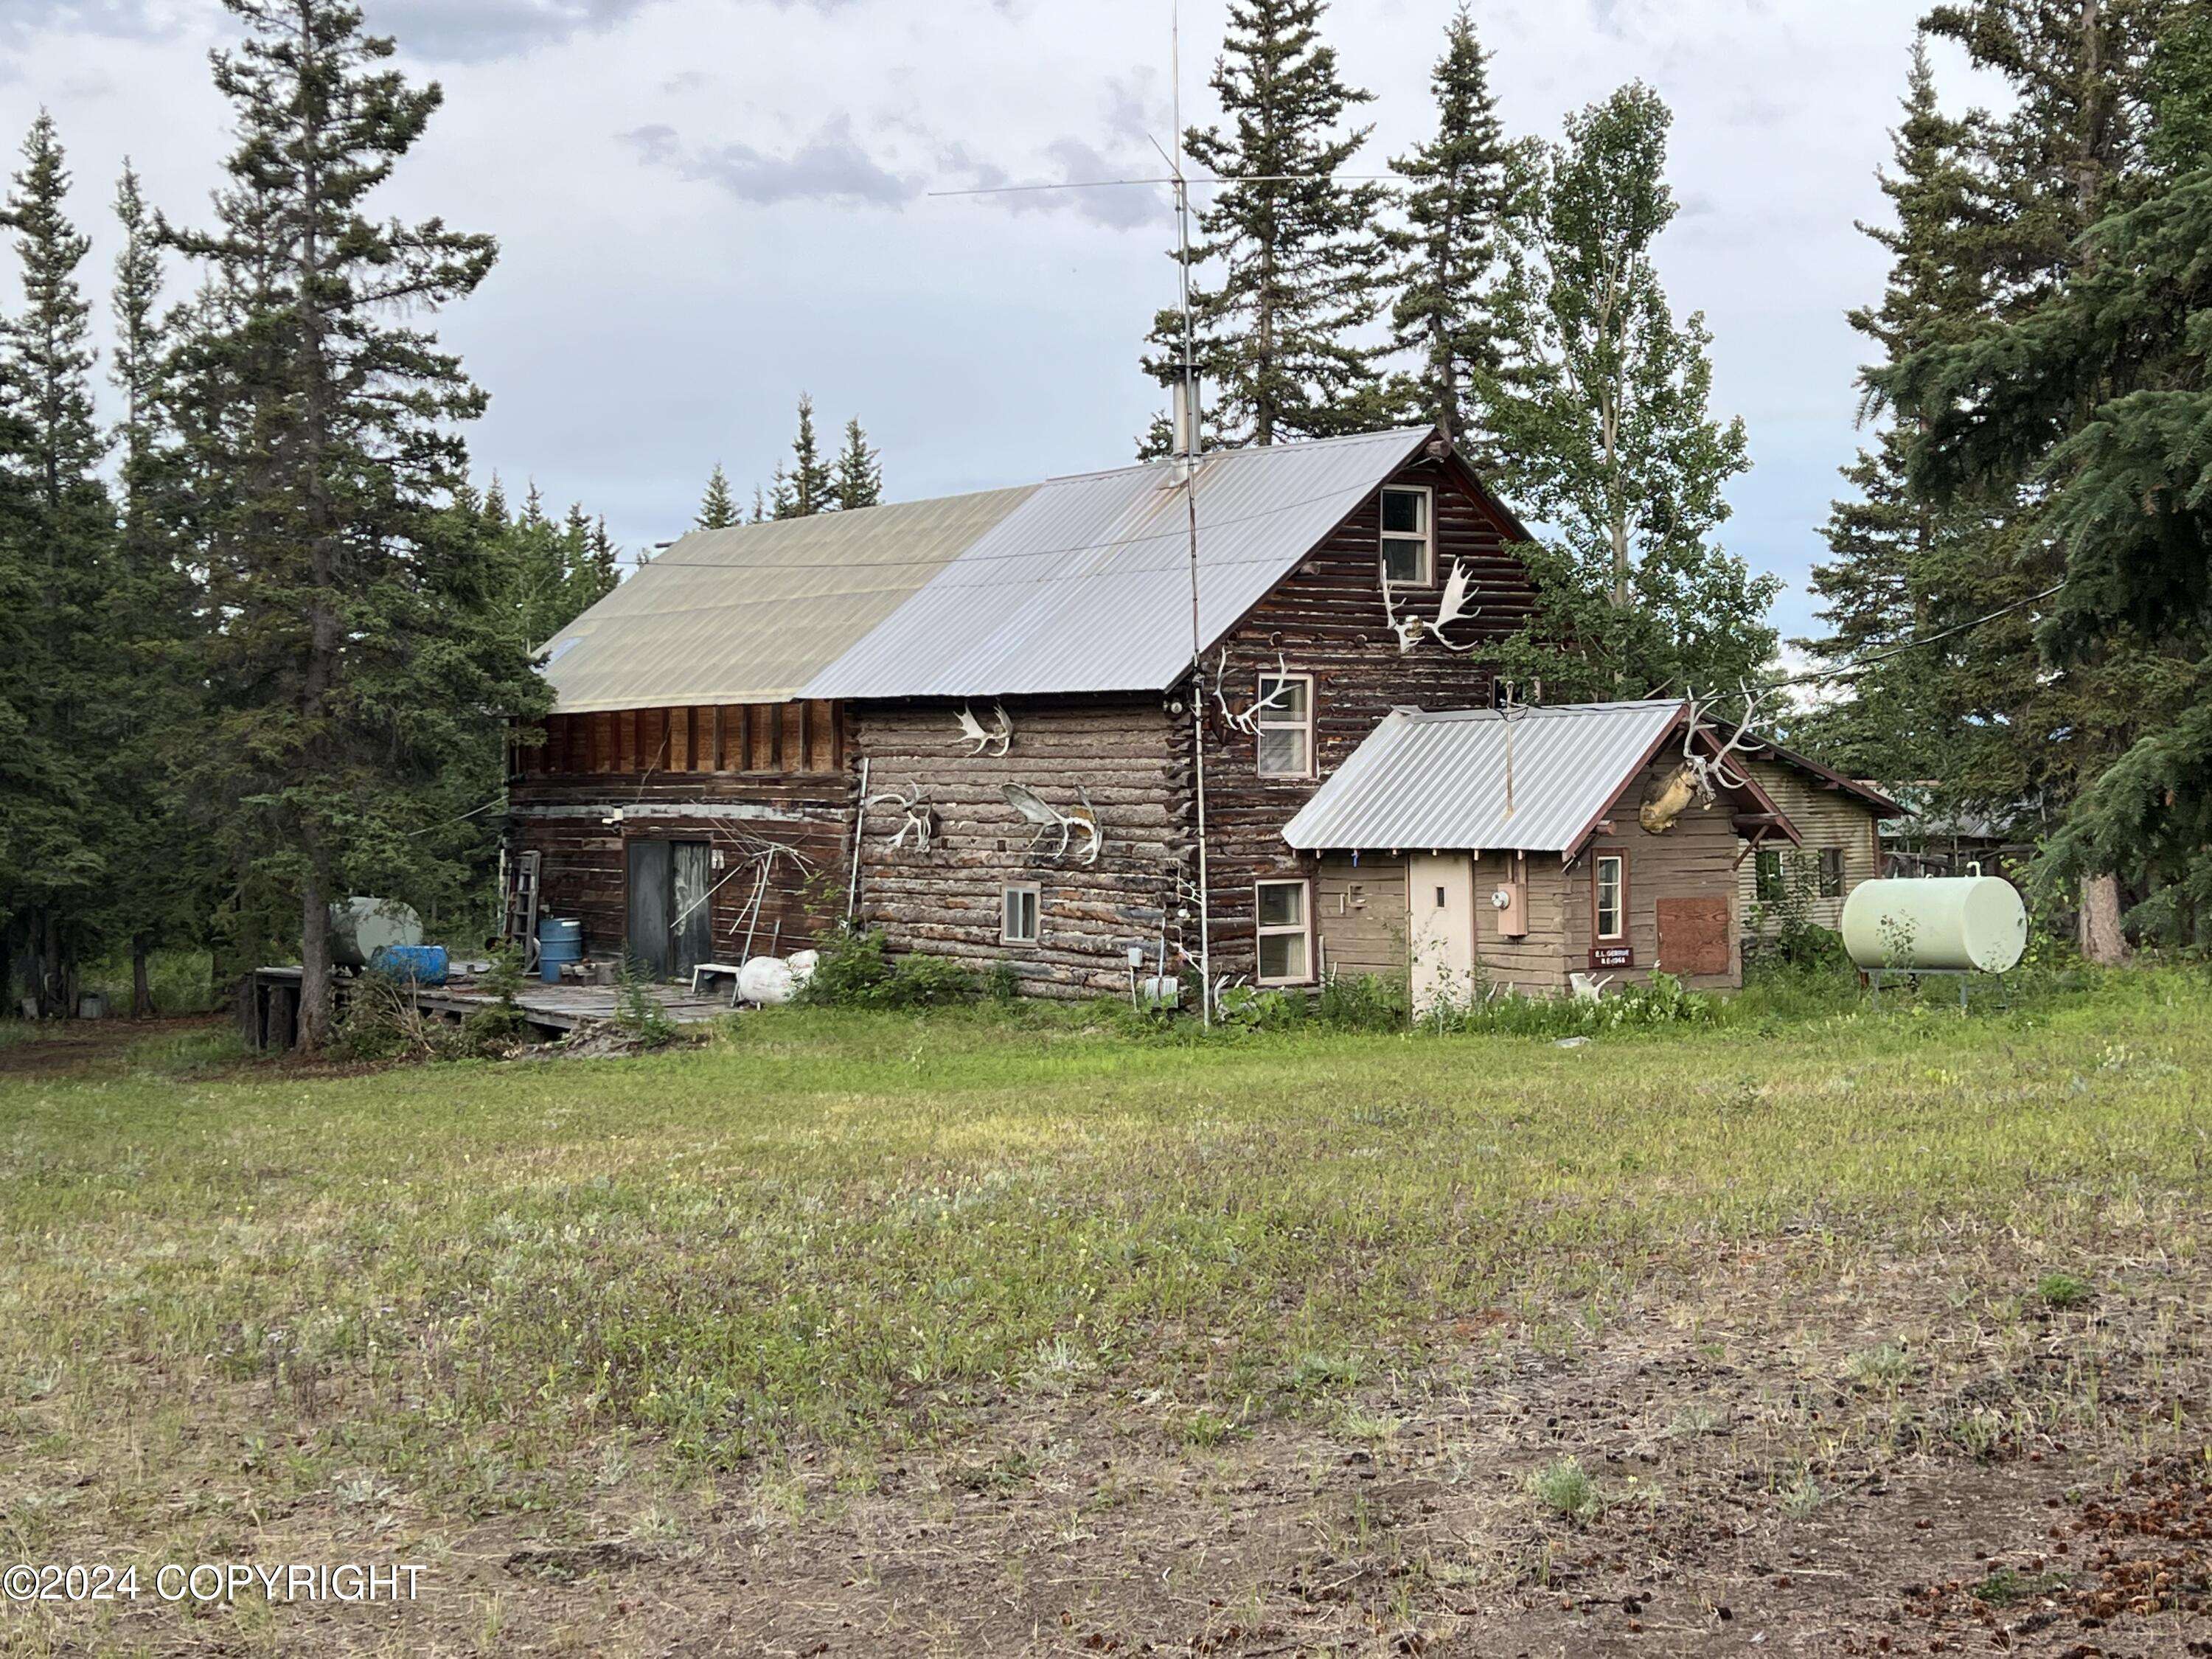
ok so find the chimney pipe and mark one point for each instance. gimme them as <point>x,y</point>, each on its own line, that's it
<point>1184,398</point>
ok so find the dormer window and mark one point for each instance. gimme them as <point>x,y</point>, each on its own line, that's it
<point>1409,536</point>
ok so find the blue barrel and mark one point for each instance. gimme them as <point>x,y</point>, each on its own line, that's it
<point>410,964</point>
<point>558,941</point>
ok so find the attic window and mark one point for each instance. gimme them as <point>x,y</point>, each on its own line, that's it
<point>1409,536</point>
<point>1285,721</point>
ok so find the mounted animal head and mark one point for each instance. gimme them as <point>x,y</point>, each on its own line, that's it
<point>1704,770</point>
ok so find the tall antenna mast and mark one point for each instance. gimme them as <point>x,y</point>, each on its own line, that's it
<point>1187,431</point>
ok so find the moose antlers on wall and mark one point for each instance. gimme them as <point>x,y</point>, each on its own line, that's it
<point>978,737</point>
<point>1076,820</point>
<point>1451,607</point>
<point>920,822</point>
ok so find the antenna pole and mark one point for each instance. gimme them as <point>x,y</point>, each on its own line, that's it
<point>1189,466</point>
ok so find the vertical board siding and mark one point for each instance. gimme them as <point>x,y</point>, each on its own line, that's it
<point>665,771</point>
<point>946,901</point>
<point>1327,619</point>
<point>1825,817</point>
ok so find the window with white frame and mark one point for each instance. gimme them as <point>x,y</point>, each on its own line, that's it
<point>1018,923</point>
<point>1283,719</point>
<point>1285,932</point>
<point>1409,536</point>
<point>1609,896</point>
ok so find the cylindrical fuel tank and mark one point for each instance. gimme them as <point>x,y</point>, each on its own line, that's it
<point>1962,922</point>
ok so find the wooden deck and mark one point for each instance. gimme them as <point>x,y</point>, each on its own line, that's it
<point>552,1010</point>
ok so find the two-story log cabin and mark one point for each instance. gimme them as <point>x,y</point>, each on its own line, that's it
<point>974,722</point>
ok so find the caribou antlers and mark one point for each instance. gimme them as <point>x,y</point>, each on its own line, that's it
<point>973,733</point>
<point>1701,776</point>
<point>1249,721</point>
<point>1048,817</point>
<point>921,816</point>
<point>1451,607</point>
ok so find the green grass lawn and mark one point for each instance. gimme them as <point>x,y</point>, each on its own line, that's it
<point>224,1284</point>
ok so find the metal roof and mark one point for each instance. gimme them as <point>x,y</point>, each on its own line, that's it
<point>1438,781</point>
<point>1080,584</point>
<point>750,614</point>
<point>1086,586</point>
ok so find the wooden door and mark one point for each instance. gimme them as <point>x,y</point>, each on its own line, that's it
<point>691,941</point>
<point>648,908</point>
<point>1440,928</point>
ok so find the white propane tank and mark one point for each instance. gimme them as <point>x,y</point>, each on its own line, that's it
<point>1959,923</point>
<point>766,981</point>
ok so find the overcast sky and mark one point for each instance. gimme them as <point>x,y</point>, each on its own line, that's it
<point>705,206</point>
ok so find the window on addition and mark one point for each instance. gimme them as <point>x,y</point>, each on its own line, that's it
<point>1285,932</point>
<point>1285,721</point>
<point>1611,884</point>
<point>1831,872</point>
<point>1409,536</point>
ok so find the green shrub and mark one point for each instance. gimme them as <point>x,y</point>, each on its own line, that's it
<point>641,1015</point>
<point>854,971</point>
<point>1566,1488</point>
<point>1363,1002</point>
<point>848,968</point>
<point>2064,1290</point>
<point>1002,984</point>
<point>1661,1002</point>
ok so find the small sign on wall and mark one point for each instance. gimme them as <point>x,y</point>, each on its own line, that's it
<point>1612,956</point>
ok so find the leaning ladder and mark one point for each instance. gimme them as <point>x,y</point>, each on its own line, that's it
<point>519,928</point>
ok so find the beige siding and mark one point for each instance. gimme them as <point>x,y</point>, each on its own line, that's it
<point>1360,915</point>
<point>1825,817</point>
<point>1537,961</point>
<point>1694,860</point>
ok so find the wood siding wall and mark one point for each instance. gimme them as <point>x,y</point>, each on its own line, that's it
<point>1696,858</point>
<point>946,901</point>
<point>1327,619</point>
<point>743,779</point>
<point>1539,961</point>
<point>1825,817</point>
<point>1360,917</point>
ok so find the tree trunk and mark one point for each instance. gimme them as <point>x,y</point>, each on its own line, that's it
<point>141,989</point>
<point>2102,941</point>
<point>314,954</point>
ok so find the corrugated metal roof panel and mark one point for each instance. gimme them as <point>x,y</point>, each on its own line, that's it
<point>750,614</point>
<point>1439,779</point>
<point>1085,586</point>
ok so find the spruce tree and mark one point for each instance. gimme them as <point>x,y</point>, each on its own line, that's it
<point>1466,187</point>
<point>2097,393</point>
<point>718,510</point>
<point>1300,260</point>
<point>2068,150</point>
<point>808,485</point>
<point>64,539</point>
<point>152,707</point>
<point>1610,439</point>
<point>364,659</point>
<point>860,478</point>
<point>1883,584</point>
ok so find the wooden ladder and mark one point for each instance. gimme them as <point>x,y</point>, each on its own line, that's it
<point>519,928</point>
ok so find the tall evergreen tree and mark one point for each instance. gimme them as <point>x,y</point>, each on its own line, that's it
<point>364,660</point>
<point>2068,149</point>
<point>1882,585</point>
<point>1465,190</point>
<point>1611,439</point>
<point>859,481</point>
<point>152,707</point>
<point>717,509</point>
<point>2094,399</point>
<point>809,484</point>
<point>1300,262</point>
<point>62,542</point>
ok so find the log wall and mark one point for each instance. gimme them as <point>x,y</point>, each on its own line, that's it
<point>947,901</point>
